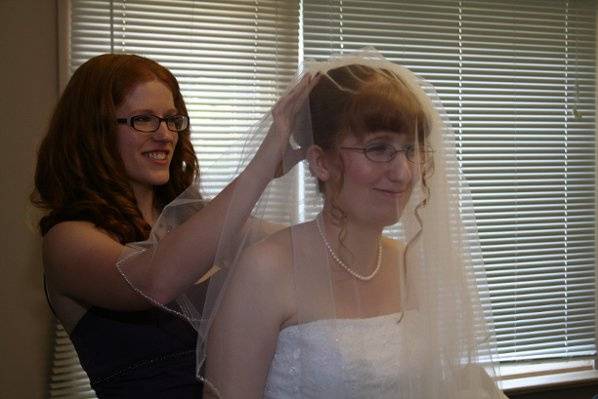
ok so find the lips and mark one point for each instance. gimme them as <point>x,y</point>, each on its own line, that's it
<point>389,192</point>
<point>160,156</point>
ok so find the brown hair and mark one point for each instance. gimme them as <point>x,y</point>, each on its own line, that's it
<point>79,173</point>
<point>357,100</point>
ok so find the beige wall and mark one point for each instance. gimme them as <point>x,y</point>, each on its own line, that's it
<point>28,73</point>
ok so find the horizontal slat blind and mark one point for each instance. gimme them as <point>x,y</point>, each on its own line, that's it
<point>528,138</point>
<point>68,380</point>
<point>517,79</point>
<point>232,60</point>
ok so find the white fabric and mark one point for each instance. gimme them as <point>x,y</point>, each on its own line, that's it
<point>356,368</point>
<point>354,359</point>
<point>436,269</point>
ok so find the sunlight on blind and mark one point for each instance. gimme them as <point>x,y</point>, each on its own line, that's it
<point>517,79</point>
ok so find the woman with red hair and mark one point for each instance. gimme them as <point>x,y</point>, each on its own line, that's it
<point>116,152</point>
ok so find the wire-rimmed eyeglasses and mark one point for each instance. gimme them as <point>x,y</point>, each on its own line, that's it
<point>149,123</point>
<point>385,152</point>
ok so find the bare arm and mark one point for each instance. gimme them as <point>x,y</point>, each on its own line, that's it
<point>80,260</point>
<point>243,338</point>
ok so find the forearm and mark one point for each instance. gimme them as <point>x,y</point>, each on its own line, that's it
<point>186,253</point>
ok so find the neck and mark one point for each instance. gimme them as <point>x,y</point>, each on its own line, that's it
<point>145,202</point>
<point>358,247</point>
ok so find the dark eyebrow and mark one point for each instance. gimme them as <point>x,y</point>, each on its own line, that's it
<point>141,112</point>
<point>146,111</point>
<point>380,136</point>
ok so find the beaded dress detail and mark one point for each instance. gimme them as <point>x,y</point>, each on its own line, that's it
<point>358,358</point>
<point>342,358</point>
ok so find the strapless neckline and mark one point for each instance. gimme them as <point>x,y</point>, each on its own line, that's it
<point>337,358</point>
<point>341,321</point>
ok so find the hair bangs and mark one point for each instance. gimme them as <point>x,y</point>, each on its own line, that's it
<point>385,105</point>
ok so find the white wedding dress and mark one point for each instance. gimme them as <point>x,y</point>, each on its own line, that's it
<point>350,359</point>
<point>342,358</point>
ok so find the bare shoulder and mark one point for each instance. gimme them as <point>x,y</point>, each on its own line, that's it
<point>72,230</point>
<point>68,243</point>
<point>270,257</point>
<point>391,244</point>
<point>266,269</point>
<point>393,249</point>
<point>80,263</point>
<point>275,251</point>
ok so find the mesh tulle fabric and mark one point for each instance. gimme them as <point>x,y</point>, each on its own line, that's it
<point>436,343</point>
<point>188,305</point>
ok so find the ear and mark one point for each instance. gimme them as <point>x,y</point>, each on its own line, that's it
<point>318,164</point>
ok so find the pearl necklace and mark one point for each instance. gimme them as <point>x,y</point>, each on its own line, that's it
<point>342,264</point>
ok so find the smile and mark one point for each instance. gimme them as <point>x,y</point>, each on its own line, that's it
<point>389,193</point>
<point>156,155</point>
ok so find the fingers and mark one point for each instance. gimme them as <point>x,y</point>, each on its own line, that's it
<point>302,95</point>
<point>291,158</point>
<point>294,99</point>
<point>306,83</point>
<point>303,89</point>
<point>285,113</point>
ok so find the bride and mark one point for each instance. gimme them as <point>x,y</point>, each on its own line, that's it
<point>376,296</point>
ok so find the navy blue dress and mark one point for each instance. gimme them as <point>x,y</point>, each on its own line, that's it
<point>146,354</point>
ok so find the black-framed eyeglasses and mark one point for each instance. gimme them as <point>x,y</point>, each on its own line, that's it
<point>149,123</point>
<point>385,152</point>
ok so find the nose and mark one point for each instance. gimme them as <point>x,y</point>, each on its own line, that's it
<point>163,133</point>
<point>400,169</point>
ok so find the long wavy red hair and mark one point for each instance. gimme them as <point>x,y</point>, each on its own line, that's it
<point>79,173</point>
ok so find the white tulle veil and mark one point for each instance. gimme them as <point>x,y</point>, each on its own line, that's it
<point>443,344</point>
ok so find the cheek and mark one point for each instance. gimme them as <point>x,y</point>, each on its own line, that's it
<point>127,148</point>
<point>361,174</point>
<point>124,145</point>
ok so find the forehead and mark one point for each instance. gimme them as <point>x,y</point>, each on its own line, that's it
<point>153,95</point>
<point>387,136</point>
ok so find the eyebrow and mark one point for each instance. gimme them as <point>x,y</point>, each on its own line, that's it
<point>401,138</point>
<point>381,135</point>
<point>143,111</point>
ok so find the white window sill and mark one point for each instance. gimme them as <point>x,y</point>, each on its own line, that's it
<point>518,379</point>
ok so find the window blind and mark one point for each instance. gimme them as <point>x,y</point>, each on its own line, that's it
<point>232,59</point>
<point>517,79</point>
<point>68,380</point>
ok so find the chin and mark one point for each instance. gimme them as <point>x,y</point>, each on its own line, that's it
<point>160,178</point>
<point>380,219</point>
<point>389,217</point>
<point>389,220</point>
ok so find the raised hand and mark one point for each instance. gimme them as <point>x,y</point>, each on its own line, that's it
<point>276,145</point>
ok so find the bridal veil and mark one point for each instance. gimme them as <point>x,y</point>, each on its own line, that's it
<point>438,341</point>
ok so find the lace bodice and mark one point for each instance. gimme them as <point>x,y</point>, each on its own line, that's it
<point>343,358</point>
<point>359,358</point>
